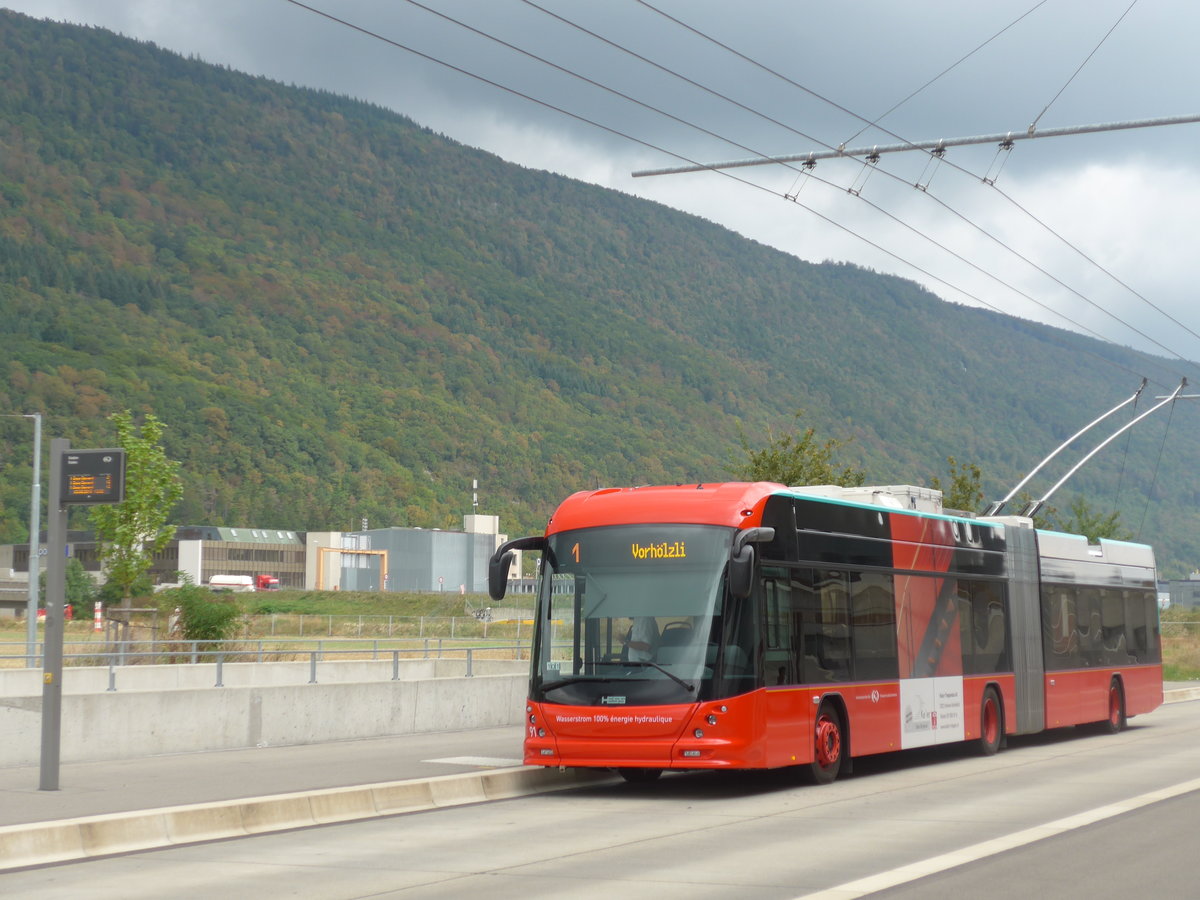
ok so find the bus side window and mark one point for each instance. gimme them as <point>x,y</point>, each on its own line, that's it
<point>778,667</point>
<point>1061,639</point>
<point>741,647</point>
<point>873,626</point>
<point>827,629</point>
<point>1135,626</point>
<point>983,629</point>
<point>1088,625</point>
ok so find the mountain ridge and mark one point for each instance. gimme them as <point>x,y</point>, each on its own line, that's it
<point>340,314</point>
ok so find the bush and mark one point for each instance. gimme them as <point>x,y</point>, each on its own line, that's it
<point>203,615</point>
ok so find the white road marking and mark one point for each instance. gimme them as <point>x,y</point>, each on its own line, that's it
<point>904,874</point>
<point>491,762</point>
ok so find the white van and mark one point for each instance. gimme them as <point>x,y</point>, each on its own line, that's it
<point>236,583</point>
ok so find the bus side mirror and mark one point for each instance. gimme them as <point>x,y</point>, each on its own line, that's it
<point>501,562</point>
<point>498,567</point>
<point>741,560</point>
<point>741,573</point>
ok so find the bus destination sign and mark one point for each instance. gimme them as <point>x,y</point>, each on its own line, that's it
<point>93,476</point>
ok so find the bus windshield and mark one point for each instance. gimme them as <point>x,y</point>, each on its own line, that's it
<point>631,614</point>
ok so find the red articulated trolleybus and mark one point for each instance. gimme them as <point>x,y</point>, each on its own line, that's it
<point>756,626</point>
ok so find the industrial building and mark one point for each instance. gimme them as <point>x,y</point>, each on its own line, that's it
<point>388,559</point>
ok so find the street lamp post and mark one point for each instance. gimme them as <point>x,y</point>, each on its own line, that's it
<point>35,505</point>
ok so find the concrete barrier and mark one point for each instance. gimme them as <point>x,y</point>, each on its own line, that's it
<point>71,839</point>
<point>113,725</point>
<point>99,679</point>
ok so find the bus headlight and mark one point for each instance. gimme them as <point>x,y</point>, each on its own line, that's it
<point>698,733</point>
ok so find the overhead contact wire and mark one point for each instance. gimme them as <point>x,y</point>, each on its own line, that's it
<point>376,36</point>
<point>953,165</point>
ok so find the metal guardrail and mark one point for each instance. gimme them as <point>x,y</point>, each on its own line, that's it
<point>303,624</point>
<point>117,654</point>
<point>314,657</point>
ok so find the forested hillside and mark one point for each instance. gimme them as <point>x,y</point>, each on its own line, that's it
<point>339,314</point>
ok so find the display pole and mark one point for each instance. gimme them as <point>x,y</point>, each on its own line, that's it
<point>56,583</point>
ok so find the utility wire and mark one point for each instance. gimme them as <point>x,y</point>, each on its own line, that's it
<point>375,35</point>
<point>1154,479</point>
<point>947,207</point>
<point>947,70</point>
<point>550,106</point>
<point>953,165</point>
<point>1120,19</point>
<point>710,133</point>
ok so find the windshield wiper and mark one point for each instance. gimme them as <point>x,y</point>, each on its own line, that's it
<point>671,675</point>
<point>563,682</point>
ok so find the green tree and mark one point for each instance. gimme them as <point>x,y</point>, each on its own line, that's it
<point>1085,520</point>
<point>131,532</point>
<point>795,457</point>
<point>964,492</point>
<point>80,589</point>
<point>203,616</point>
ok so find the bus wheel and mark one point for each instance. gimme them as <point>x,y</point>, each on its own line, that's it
<point>639,776</point>
<point>830,745</point>
<point>1116,708</point>
<point>991,724</point>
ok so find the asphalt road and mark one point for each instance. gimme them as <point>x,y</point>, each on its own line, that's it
<point>1055,815</point>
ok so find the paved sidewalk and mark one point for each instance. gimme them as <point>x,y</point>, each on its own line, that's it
<point>91,789</point>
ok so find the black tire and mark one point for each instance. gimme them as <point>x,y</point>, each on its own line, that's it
<point>639,776</point>
<point>829,745</point>
<point>1115,723</point>
<point>991,723</point>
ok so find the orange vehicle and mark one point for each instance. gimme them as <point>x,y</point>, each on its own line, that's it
<point>755,626</point>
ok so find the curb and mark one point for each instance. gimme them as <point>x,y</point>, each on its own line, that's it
<point>67,840</point>
<point>1179,695</point>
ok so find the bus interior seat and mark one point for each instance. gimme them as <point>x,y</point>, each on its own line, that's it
<point>814,671</point>
<point>676,634</point>
<point>676,643</point>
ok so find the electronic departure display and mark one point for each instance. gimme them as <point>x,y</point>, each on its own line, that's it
<point>93,476</point>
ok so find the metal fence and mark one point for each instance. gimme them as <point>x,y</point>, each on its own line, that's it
<point>264,649</point>
<point>484,624</point>
<point>121,654</point>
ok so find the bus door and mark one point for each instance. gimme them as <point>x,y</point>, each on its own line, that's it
<point>788,716</point>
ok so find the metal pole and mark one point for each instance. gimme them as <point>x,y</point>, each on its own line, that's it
<point>56,581</point>
<point>35,508</point>
<point>935,146</point>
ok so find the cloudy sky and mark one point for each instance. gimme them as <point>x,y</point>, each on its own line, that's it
<point>1094,232</point>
